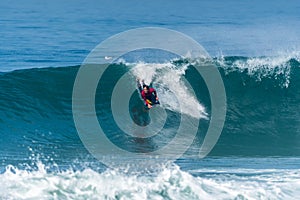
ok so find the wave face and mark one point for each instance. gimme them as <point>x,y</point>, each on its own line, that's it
<point>263,103</point>
<point>262,107</point>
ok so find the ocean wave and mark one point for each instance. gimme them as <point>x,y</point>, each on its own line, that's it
<point>262,104</point>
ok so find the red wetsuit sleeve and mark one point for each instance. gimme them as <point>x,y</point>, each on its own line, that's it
<point>152,90</point>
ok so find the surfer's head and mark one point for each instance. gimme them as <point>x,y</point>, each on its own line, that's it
<point>145,88</point>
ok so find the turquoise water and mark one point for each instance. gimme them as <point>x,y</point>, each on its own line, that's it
<point>255,47</point>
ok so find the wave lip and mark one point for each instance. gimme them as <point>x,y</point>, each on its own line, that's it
<point>276,67</point>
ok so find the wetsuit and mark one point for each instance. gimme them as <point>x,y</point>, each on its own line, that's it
<point>151,95</point>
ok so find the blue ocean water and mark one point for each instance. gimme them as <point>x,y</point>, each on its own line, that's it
<point>253,44</point>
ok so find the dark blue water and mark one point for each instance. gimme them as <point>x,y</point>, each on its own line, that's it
<point>255,47</point>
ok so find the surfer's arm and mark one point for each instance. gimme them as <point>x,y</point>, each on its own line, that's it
<point>154,92</point>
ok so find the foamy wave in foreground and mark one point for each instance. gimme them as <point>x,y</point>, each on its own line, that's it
<point>169,183</point>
